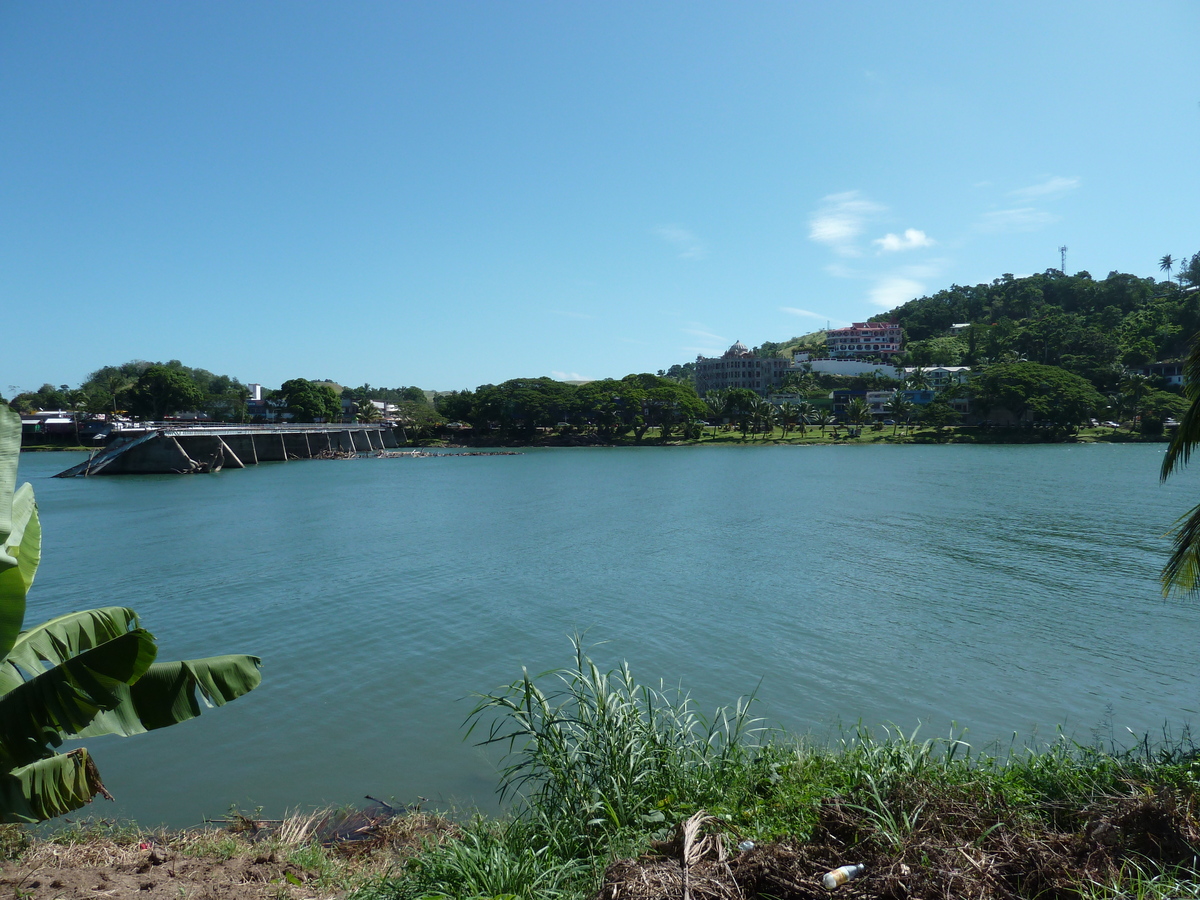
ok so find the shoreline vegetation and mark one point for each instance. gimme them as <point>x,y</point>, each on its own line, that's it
<point>884,434</point>
<point>622,791</point>
<point>1053,349</point>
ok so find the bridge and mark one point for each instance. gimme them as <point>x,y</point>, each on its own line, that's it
<point>164,448</point>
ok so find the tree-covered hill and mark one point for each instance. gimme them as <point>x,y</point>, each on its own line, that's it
<point>1094,328</point>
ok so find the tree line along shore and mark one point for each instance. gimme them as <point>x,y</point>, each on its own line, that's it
<point>1051,350</point>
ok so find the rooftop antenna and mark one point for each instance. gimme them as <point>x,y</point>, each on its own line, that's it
<point>1062,252</point>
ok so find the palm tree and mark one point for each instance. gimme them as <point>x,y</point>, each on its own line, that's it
<point>1135,386</point>
<point>1181,574</point>
<point>806,414</point>
<point>367,411</point>
<point>789,415</point>
<point>824,419</point>
<point>115,383</point>
<point>857,412</point>
<point>917,379</point>
<point>899,408</point>
<point>763,412</point>
<point>1166,264</point>
<point>717,402</point>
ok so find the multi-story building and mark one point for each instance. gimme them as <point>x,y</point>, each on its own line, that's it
<point>941,376</point>
<point>864,339</point>
<point>739,368</point>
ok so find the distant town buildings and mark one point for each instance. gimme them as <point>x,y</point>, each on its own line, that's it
<point>864,339</point>
<point>737,367</point>
<point>939,376</point>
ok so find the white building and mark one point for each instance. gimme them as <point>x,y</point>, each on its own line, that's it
<point>829,366</point>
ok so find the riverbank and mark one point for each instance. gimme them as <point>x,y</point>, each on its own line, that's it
<point>727,817</point>
<point>814,436</point>
<point>811,436</point>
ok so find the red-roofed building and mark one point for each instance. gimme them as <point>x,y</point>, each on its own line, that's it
<point>864,339</point>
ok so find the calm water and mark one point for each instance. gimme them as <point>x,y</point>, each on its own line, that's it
<point>1004,588</point>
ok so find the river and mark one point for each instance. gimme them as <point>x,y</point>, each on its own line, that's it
<point>1008,589</point>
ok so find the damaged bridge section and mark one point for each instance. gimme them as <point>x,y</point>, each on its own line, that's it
<point>165,449</point>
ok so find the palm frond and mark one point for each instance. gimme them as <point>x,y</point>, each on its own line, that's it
<point>1187,435</point>
<point>1181,574</point>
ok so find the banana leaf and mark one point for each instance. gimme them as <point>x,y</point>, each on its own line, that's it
<point>20,533</point>
<point>62,701</point>
<point>10,451</point>
<point>60,639</point>
<point>19,557</point>
<point>49,787</point>
<point>170,693</point>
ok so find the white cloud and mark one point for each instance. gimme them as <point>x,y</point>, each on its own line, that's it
<point>841,219</point>
<point>801,312</point>
<point>688,245</point>
<point>571,376</point>
<point>1055,186</point>
<point>706,335</point>
<point>891,291</point>
<point>910,240</point>
<point>1025,218</point>
<point>832,320</point>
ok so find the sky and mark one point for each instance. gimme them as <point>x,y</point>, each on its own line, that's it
<point>448,194</point>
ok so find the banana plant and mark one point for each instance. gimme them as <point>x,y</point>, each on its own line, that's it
<point>78,675</point>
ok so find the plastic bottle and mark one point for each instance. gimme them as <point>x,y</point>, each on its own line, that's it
<point>841,875</point>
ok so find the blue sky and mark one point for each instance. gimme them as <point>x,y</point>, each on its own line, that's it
<point>448,194</point>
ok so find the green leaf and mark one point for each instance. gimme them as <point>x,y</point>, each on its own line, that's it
<point>20,533</point>
<point>49,787</point>
<point>170,693</point>
<point>62,702</point>
<point>60,639</point>
<point>10,451</point>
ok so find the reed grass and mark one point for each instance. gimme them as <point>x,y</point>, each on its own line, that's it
<point>599,765</point>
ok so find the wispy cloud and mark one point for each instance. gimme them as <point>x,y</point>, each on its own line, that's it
<point>571,376</point>
<point>705,335</point>
<point>891,291</point>
<point>808,314</point>
<point>1055,186</point>
<point>801,312</point>
<point>1025,218</point>
<point>840,219</point>
<point>566,313</point>
<point>912,239</point>
<point>688,245</point>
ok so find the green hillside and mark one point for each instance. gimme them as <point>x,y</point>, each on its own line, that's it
<point>1094,328</point>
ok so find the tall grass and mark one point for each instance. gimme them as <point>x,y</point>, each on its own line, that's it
<point>597,764</point>
<point>596,752</point>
